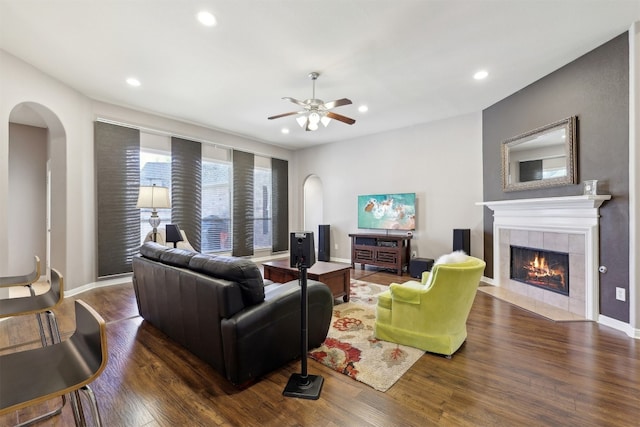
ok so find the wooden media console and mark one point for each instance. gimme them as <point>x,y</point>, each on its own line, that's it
<point>387,251</point>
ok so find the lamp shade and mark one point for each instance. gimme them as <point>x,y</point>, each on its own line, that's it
<point>173,234</point>
<point>154,197</point>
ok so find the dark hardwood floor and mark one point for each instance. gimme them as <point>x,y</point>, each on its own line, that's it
<point>515,369</point>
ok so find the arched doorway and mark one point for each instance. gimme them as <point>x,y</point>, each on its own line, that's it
<point>36,187</point>
<point>313,205</point>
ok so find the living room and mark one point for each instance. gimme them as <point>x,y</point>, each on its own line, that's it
<point>451,163</point>
<point>447,190</point>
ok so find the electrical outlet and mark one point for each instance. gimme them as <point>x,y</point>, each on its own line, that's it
<point>621,294</point>
<point>414,254</point>
<point>335,246</point>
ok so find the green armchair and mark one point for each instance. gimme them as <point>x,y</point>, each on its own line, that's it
<point>431,315</point>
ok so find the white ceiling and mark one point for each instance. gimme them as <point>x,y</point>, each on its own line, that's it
<point>410,61</point>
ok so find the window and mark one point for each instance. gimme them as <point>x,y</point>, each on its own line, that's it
<point>262,203</point>
<point>155,168</point>
<point>216,226</point>
<point>216,200</point>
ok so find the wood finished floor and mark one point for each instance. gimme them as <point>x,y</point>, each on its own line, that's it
<point>515,369</point>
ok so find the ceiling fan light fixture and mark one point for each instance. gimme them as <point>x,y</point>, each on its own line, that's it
<point>315,110</point>
<point>302,121</point>
<point>314,118</point>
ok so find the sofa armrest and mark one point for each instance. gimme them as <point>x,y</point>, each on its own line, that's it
<point>265,336</point>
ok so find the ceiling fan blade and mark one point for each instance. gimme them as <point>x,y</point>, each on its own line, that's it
<point>295,101</point>
<point>337,103</point>
<point>339,117</point>
<point>285,115</point>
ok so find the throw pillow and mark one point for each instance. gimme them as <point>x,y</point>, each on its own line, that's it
<point>452,258</point>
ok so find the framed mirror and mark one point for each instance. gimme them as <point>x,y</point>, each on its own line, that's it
<point>543,157</point>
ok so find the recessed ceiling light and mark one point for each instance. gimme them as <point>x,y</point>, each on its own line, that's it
<point>207,19</point>
<point>363,108</point>
<point>284,130</point>
<point>132,81</point>
<point>482,74</point>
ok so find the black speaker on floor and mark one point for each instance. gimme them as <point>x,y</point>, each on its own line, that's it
<point>324,245</point>
<point>462,240</point>
<point>419,265</point>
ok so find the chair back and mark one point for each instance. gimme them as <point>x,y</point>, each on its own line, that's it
<point>37,303</point>
<point>26,279</point>
<point>33,376</point>
<point>452,292</point>
<point>90,341</point>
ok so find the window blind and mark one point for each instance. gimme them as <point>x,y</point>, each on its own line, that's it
<point>280,204</point>
<point>243,181</point>
<point>186,188</point>
<point>117,156</point>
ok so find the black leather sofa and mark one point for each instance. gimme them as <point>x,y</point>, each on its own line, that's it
<point>221,310</point>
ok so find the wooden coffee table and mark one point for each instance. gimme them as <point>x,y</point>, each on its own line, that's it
<point>335,275</point>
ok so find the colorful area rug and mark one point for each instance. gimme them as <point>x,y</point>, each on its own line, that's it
<point>365,292</point>
<point>352,349</point>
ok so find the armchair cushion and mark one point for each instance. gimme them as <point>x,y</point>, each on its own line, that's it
<point>452,258</point>
<point>161,239</point>
<point>406,292</point>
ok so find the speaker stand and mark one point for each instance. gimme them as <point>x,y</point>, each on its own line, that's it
<point>302,385</point>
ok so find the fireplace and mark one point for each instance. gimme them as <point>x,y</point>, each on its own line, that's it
<point>567,224</point>
<point>541,268</point>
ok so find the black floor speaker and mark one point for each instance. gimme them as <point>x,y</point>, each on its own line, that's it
<point>419,265</point>
<point>462,240</point>
<point>324,245</point>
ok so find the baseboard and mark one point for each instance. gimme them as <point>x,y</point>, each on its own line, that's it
<point>120,280</point>
<point>488,281</point>
<point>620,326</point>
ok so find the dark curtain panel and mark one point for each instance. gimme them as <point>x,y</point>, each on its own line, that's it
<point>243,165</point>
<point>186,188</point>
<point>117,159</point>
<point>280,204</point>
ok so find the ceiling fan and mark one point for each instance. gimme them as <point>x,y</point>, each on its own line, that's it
<point>315,110</point>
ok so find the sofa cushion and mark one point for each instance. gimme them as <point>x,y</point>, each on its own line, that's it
<point>170,256</point>
<point>177,257</point>
<point>243,271</point>
<point>152,250</point>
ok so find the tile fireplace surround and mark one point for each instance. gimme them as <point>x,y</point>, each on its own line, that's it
<point>565,224</point>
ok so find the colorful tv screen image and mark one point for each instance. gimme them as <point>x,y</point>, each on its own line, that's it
<point>387,211</point>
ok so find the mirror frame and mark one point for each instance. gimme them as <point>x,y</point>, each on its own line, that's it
<point>570,150</point>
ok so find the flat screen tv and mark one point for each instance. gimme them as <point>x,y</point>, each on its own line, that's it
<point>387,211</point>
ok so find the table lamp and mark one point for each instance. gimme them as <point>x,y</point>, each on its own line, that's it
<point>154,197</point>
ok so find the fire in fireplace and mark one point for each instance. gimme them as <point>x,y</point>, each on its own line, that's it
<point>542,268</point>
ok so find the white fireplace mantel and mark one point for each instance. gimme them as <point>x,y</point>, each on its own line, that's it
<point>568,214</point>
<point>567,202</point>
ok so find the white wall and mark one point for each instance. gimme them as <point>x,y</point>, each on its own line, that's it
<point>27,195</point>
<point>441,162</point>
<point>72,248</point>
<point>71,144</point>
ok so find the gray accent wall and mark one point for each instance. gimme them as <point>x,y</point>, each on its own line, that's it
<point>595,88</point>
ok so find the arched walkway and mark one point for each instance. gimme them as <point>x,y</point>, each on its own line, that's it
<point>37,187</point>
